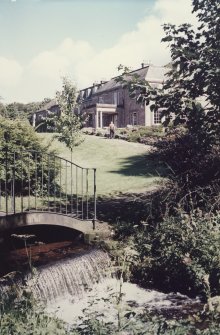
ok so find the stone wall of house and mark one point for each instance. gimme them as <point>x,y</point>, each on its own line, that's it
<point>134,112</point>
<point>128,110</point>
<point>41,115</point>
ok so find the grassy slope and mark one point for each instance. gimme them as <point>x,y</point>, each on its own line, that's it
<point>121,166</point>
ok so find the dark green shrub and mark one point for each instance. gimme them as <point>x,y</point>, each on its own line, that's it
<point>141,133</point>
<point>180,254</point>
<point>24,157</point>
<point>21,315</point>
<point>193,170</point>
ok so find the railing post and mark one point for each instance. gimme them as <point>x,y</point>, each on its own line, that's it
<point>13,185</point>
<point>94,218</point>
<point>82,175</point>
<point>36,181</point>
<point>71,190</point>
<point>22,182</point>
<point>48,182</point>
<point>60,179</point>
<point>29,182</point>
<point>66,198</point>
<point>77,208</point>
<point>43,158</point>
<point>87,194</point>
<point>54,185</point>
<point>6,182</point>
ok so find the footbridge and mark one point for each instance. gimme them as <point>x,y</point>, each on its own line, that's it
<point>42,188</point>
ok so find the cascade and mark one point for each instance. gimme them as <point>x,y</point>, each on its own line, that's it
<point>84,282</point>
<point>70,276</point>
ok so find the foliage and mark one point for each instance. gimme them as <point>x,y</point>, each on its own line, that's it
<point>142,134</point>
<point>194,177</point>
<point>194,73</point>
<point>189,97</point>
<point>190,94</point>
<point>68,124</point>
<point>25,155</point>
<point>18,110</point>
<point>20,315</point>
<point>2,109</point>
<point>181,254</point>
<point>152,325</point>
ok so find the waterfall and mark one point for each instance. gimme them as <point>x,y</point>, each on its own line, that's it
<point>70,277</point>
<point>84,282</point>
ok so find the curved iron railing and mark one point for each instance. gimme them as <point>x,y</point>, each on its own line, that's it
<point>38,181</point>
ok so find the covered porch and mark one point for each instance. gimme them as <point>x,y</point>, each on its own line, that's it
<point>101,115</point>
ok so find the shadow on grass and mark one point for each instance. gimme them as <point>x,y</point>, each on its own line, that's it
<point>141,165</point>
<point>134,208</point>
<point>129,207</point>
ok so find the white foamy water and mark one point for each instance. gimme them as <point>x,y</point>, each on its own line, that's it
<point>102,299</point>
<point>70,277</point>
<point>83,285</point>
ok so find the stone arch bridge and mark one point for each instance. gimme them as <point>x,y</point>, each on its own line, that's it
<point>38,188</point>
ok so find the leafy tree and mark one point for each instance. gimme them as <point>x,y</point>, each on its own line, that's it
<point>19,110</point>
<point>177,248</point>
<point>191,94</point>
<point>68,124</point>
<point>190,97</point>
<point>2,109</point>
<point>20,144</point>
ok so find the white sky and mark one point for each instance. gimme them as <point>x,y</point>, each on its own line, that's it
<point>86,40</point>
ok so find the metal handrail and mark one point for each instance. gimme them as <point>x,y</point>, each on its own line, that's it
<point>34,180</point>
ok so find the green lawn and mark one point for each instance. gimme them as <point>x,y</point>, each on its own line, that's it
<point>121,166</point>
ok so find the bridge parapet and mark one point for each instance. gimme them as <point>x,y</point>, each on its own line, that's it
<point>32,181</point>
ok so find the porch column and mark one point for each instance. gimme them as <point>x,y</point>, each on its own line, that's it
<point>96,119</point>
<point>101,123</point>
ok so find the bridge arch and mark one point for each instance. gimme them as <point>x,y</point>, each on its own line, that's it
<point>12,221</point>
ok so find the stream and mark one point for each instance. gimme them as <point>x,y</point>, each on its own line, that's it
<point>84,285</point>
<point>74,280</point>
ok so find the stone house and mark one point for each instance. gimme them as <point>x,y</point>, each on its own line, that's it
<point>109,101</point>
<point>39,117</point>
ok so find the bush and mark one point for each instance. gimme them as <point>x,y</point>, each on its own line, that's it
<point>141,133</point>
<point>180,254</point>
<point>21,315</point>
<point>193,170</point>
<point>24,157</point>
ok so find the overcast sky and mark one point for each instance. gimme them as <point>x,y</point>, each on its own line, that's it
<point>86,40</point>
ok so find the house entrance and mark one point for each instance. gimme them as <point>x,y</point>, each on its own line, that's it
<point>107,118</point>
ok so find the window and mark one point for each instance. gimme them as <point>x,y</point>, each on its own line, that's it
<point>90,120</point>
<point>134,118</point>
<point>157,117</point>
<point>115,98</point>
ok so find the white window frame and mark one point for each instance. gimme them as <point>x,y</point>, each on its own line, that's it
<point>134,119</point>
<point>157,117</point>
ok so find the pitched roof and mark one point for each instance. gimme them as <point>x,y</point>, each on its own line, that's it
<point>150,72</point>
<point>48,105</point>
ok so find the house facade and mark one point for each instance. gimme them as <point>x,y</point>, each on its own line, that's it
<point>110,101</point>
<point>39,117</point>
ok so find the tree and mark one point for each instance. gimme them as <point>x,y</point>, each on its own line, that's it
<point>68,124</point>
<point>25,156</point>
<point>190,97</point>
<point>191,94</point>
<point>18,110</point>
<point>2,109</point>
<point>195,74</point>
